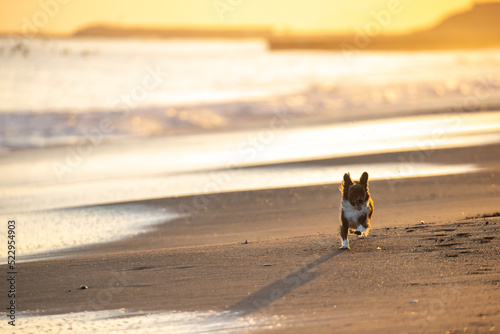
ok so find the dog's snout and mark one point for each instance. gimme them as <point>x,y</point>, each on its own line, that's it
<point>360,201</point>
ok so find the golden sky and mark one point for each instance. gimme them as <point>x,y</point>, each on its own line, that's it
<point>66,16</point>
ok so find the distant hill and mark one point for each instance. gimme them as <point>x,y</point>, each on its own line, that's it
<point>110,31</point>
<point>477,28</point>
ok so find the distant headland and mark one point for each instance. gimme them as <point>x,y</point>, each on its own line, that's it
<point>477,28</point>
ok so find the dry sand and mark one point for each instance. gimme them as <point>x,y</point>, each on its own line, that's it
<point>407,276</point>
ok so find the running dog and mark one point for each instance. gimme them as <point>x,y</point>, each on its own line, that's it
<point>357,208</point>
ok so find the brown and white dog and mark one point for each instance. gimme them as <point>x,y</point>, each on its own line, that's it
<point>357,208</point>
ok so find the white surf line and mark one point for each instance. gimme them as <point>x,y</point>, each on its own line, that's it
<point>43,233</point>
<point>121,321</point>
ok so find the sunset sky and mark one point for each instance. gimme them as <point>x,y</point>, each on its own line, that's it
<point>283,15</point>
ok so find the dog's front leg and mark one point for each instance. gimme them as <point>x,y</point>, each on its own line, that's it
<point>344,231</point>
<point>363,227</point>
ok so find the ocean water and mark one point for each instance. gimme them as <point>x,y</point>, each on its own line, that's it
<point>86,125</point>
<point>80,75</point>
<point>46,231</point>
<point>58,91</point>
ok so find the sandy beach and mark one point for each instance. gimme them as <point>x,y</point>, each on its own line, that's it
<point>174,167</point>
<point>193,187</point>
<point>429,266</point>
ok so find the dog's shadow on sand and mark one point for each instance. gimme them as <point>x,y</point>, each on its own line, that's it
<point>280,288</point>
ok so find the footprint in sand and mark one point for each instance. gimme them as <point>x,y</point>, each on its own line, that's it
<point>448,245</point>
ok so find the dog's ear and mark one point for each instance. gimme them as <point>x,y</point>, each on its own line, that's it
<point>346,185</point>
<point>347,180</point>
<point>364,179</point>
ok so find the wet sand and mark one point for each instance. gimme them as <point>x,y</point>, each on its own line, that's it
<point>275,252</point>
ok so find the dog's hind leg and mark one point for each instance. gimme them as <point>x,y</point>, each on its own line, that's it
<point>368,224</point>
<point>368,227</point>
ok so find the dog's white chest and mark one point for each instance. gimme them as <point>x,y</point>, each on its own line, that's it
<point>351,214</point>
